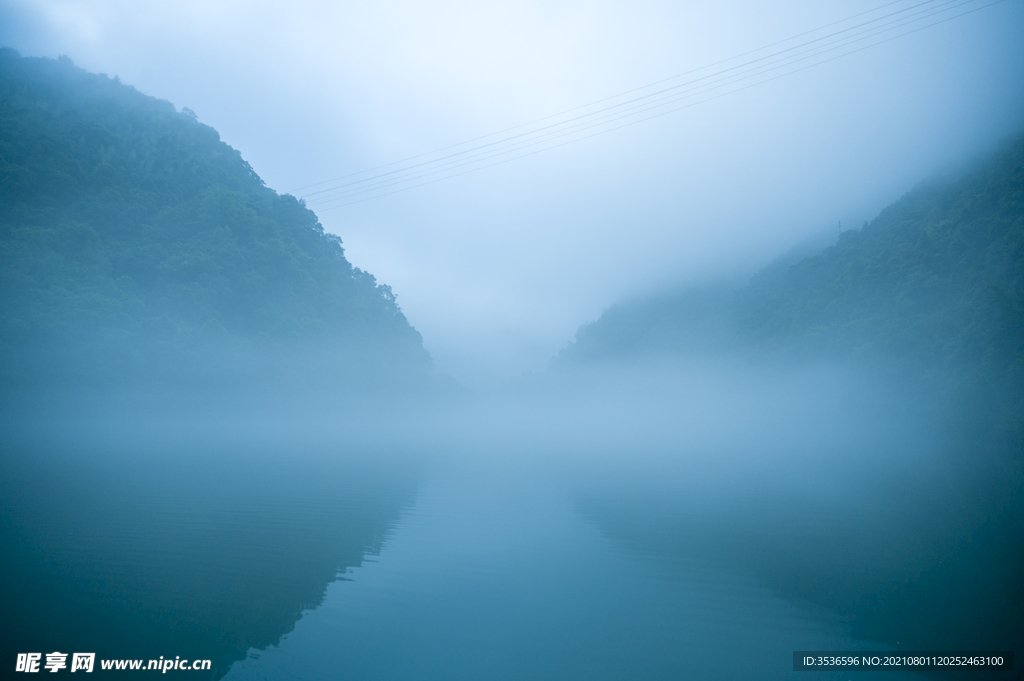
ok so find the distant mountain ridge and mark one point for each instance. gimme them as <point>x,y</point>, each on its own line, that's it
<point>937,279</point>
<point>132,239</point>
<point>926,304</point>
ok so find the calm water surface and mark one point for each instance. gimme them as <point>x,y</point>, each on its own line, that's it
<point>492,574</point>
<point>278,559</point>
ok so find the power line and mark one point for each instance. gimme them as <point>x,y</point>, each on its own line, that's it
<point>396,191</point>
<point>379,182</point>
<point>581,124</point>
<point>509,144</point>
<point>546,136</point>
<point>595,102</point>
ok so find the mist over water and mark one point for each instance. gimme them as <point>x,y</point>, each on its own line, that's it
<point>644,519</point>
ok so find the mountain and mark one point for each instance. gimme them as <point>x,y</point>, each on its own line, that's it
<point>935,281</point>
<point>925,304</point>
<point>136,245</point>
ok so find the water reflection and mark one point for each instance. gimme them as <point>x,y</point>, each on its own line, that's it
<point>699,524</point>
<point>925,556</point>
<point>141,551</point>
<point>493,575</point>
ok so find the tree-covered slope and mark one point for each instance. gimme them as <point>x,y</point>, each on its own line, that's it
<point>937,279</point>
<point>132,236</point>
<point>926,303</point>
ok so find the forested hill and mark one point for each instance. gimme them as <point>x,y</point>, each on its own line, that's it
<point>936,280</point>
<point>133,241</point>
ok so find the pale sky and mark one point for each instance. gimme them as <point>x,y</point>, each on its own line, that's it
<point>498,267</point>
